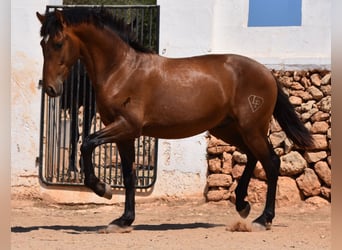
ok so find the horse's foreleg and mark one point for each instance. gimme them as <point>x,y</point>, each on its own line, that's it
<point>74,136</point>
<point>118,131</point>
<point>90,180</point>
<point>126,151</point>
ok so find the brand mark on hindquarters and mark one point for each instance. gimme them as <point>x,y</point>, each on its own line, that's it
<point>255,102</point>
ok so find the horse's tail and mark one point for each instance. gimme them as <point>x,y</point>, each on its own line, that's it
<point>286,116</point>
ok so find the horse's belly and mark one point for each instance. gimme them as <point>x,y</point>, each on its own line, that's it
<point>172,132</point>
<point>180,130</point>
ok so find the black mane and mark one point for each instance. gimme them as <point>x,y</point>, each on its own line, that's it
<point>98,16</point>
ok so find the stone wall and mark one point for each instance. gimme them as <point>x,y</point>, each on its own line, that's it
<point>304,175</point>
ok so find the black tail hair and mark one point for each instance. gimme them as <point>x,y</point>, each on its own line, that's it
<point>286,116</point>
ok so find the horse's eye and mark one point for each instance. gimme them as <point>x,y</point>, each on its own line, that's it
<point>58,45</point>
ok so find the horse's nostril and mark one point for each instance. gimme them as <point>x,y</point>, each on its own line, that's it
<point>51,91</point>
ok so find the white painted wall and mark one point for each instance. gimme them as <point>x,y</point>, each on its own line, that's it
<point>182,166</point>
<point>195,27</point>
<point>306,45</point>
<point>26,67</point>
<point>185,27</point>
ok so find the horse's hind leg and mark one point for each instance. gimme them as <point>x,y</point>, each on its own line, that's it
<point>242,206</point>
<point>263,151</point>
<point>271,166</point>
<point>230,134</point>
<point>257,147</point>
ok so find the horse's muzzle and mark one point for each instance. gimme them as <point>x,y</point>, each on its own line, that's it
<point>52,91</point>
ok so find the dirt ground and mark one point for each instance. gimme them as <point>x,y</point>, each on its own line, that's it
<point>165,224</point>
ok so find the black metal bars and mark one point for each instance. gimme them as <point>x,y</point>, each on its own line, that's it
<point>67,120</point>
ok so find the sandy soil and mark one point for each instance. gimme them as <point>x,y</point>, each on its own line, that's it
<point>165,224</point>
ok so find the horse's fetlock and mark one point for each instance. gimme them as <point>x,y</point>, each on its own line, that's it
<point>269,215</point>
<point>91,181</point>
<point>88,183</point>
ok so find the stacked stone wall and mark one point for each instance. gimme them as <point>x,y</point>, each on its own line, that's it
<point>304,175</point>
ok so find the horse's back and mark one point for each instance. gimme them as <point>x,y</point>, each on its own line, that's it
<point>230,70</point>
<point>198,93</point>
<point>245,82</point>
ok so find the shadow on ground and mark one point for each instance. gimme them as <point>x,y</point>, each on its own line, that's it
<point>143,227</point>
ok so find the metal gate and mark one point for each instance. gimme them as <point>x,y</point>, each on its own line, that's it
<point>67,120</point>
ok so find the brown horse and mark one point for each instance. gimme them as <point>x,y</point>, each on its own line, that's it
<point>141,93</point>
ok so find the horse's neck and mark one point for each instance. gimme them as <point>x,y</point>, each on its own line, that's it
<point>102,52</point>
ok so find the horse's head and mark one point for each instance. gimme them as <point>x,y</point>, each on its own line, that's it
<point>60,51</point>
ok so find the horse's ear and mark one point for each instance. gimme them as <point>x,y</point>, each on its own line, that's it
<point>40,17</point>
<point>60,17</point>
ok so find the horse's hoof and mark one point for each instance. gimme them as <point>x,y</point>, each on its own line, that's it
<point>256,227</point>
<point>108,191</point>
<point>261,224</point>
<point>245,212</point>
<point>268,226</point>
<point>112,228</point>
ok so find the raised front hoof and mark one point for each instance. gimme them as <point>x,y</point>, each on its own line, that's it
<point>108,191</point>
<point>103,190</point>
<point>113,228</point>
<point>245,211</point>
<point>260,224</point>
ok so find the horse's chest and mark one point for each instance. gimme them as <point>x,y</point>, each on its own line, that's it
<point>107,110</point>
<point>110,108</point>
